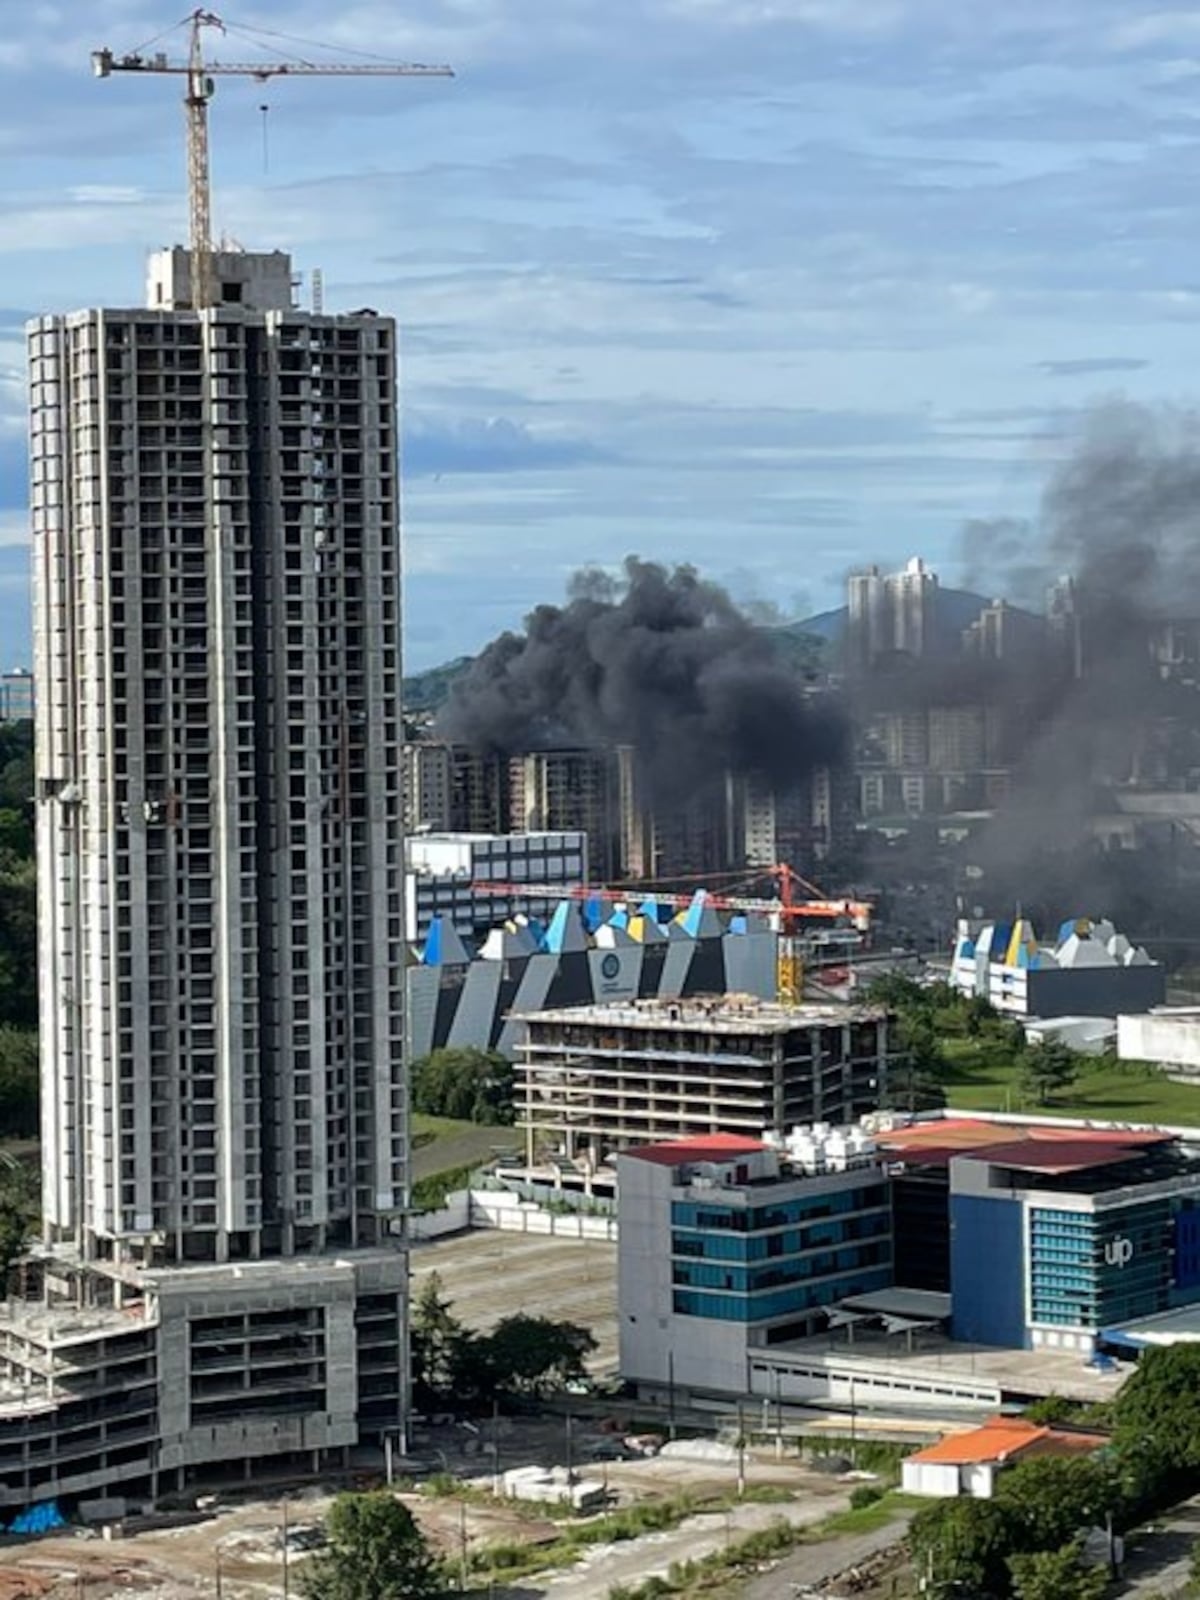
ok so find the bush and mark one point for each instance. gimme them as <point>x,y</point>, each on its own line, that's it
<point>865,1495</point>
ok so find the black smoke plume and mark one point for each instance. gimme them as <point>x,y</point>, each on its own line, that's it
<point>1104,714</point>
<point>660,659</point>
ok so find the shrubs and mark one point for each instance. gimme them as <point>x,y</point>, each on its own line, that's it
<point>865,1495</point>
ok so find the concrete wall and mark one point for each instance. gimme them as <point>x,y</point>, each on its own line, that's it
<point>938,1478</point>
<point>1170,1038</point>
<point>494,1208</point>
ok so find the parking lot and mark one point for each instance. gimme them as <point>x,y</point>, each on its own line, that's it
<point>489,1274</point>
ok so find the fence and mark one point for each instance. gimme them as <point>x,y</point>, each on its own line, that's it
<point>493,1208</point>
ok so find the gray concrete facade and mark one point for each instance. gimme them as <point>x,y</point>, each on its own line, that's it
<point>217,588</point>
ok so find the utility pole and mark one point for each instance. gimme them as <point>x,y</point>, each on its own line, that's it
<point>287,1575</point>
<point>462,1546</point>
<point>568,1419</point>
<point>741,1451</point>
<point>671,1393</point>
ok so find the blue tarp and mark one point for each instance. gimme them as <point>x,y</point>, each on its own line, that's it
<point>43,1518</point>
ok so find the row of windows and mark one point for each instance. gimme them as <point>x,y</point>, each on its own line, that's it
<point>804,1208</point>
<point>744,1280</point>
<point>763,1247</point>
<point>782,1302</point>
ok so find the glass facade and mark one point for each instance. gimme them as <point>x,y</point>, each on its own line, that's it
<point>1091,1270</point>
<point>754,1263</point>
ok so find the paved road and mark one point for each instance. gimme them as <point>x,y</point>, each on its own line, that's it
<point>634,1560</point>
<point>814,1565</point>
<point>1159,1563</point>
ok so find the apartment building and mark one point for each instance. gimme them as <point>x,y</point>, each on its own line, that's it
<point>221,917</point>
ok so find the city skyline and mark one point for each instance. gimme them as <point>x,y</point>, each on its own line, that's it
<point>682,320</point>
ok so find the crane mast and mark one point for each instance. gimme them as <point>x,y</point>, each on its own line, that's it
<point>199,89</point>
<point>199,92</point>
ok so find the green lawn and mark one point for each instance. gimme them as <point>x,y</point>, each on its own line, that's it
<point>426,1129</point>
<point>442,1144</point>
<point>983,1078</point>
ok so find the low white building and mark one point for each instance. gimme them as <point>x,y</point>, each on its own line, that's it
<point>970,1463</point>
<point>448,875</point>
<point>1088,969</point>
<point>1168,1036</point>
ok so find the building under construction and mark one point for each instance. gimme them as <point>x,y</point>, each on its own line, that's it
<point>594,1080</point>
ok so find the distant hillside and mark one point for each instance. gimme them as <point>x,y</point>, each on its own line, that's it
<point>427,691</point>
<point>801,643</point>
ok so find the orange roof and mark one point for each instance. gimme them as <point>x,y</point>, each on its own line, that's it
<point>1001,1438</point>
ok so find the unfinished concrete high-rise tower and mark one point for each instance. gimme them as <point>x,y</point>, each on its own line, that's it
<point>217,637</point>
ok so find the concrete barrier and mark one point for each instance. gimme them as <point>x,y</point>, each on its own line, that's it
<point>495,1208</point>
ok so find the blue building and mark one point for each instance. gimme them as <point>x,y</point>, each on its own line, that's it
<point>727,1246</point>
<point>1060,1242</point>
<point>832,1265</point>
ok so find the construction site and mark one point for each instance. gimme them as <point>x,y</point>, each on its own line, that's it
<point>592,1080</point>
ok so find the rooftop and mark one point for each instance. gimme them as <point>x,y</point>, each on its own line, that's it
<point>1005,1437</point>
<point>740,1014</point>
<point>705,1147</point>
<point>939,1141</point>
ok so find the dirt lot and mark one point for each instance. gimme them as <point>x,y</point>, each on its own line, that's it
<point>242,1542</point>
<point>488,1274</point>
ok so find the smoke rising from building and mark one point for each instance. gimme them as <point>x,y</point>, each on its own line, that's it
<point>660,659</point>
<point>1121,516</point>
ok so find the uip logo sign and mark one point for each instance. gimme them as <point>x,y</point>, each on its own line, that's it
<point>1119,1252</point>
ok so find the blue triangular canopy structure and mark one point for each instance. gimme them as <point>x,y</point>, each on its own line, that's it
<point>567,930</point>
<point>592,911</point>
<point>444,946</point>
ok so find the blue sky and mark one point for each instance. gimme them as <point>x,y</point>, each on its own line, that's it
<point>773,286</point>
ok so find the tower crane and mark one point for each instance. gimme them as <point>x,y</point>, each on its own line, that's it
<point>199,89</point>
<point>791,911</point>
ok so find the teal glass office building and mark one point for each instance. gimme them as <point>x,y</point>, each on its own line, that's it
<point>782,1259</point>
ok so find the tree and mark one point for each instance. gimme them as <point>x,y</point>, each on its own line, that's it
<point>18,940</point>
<point>18,1211</point>
<point>1056,1575</point>
<point>914,1079</point>
<point>1047,1068</point>
<point>979,1014</point>
<point>376,1551</point>
<point>533,1355</point>
<point>898,993</point>
<point>961,1547</point>
<point>18,1083</point>
<point>438,1339</point>
<point>1157,1413</point>
<point>1049,1499</point>
<point>470,1084</point>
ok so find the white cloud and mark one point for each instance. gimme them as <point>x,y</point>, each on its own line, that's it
<point>14,528</point>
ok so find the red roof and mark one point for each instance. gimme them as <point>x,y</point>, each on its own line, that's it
<point>1059,1155</point>
<point>705,1147</point>
<point>1004,1437</point>
<point>938,1142</point>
